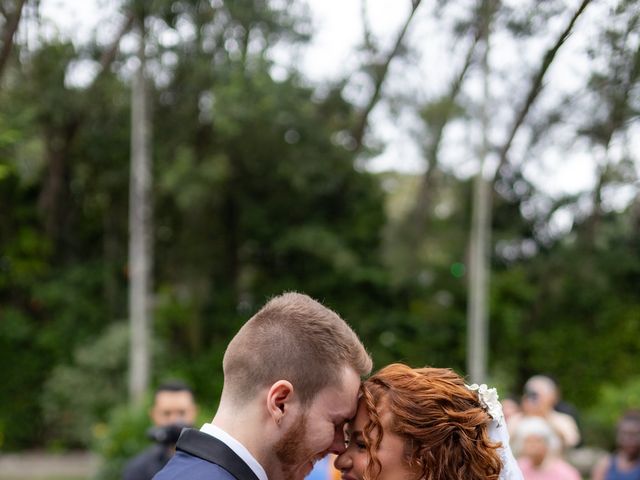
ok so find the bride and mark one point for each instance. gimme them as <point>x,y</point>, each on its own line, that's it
<point>426,424</point>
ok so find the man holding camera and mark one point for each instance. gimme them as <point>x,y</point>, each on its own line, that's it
<point>173,409</point>
<point>540,398</point>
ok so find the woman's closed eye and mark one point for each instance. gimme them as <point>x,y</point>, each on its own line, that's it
<point>356,440</point>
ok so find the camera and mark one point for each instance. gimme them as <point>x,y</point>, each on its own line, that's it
<point>532,395</point>
<point>167,435</point>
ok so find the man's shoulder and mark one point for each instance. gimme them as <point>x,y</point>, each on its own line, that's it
<point>186,466</point>
<point>145,464</point>
<point>152,451</point>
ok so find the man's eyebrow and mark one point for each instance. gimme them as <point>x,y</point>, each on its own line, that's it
<point>343,419</point>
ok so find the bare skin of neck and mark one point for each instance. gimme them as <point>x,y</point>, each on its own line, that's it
<point>250,426</point>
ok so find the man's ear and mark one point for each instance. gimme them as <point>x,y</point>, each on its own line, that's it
<point>279,400</point>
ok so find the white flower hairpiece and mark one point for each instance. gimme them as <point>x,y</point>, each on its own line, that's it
<point>489,400</point>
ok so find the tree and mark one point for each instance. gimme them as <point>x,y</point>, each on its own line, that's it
<point>479,247</point>
<point>140,227</point>
<point>12,20</point>
<point>379,74</point>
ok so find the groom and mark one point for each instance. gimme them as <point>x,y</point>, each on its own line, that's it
<point>291,380</point>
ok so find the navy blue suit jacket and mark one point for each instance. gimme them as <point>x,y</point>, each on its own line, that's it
<point>202,457</point>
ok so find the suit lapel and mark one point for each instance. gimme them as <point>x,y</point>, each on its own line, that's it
<point>209,448</point>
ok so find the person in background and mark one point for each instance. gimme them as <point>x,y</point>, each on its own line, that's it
<point>173,409</point>
<point>510,408</point>
<point>539,400</point>
<point>624,464</point>
<point>538,449</point>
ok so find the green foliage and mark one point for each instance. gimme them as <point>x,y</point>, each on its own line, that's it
<point>119,438</point>
<point>559,314</point>
<point>613,400</point>
<point>77,397</point>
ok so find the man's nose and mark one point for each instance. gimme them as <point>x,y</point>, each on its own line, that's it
<point>175,418</point>
<point>338,446</point>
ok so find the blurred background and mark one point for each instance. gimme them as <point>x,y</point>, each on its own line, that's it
<point>458,179</point>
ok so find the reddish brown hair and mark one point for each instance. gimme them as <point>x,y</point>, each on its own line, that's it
<point>446,431</point>
<point>294,338</point>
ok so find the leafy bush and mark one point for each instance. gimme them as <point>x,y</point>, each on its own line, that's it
<point>120,438</point>
<point>613,401</point>
<point>77,397</point>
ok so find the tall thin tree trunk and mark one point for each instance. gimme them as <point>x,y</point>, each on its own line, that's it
<point>361,126</point>
<point>54,195</point>
<point>420,212</point>
<point>479,251</point>
<point>9,34</point>
<point>109,55</point>
<point>140,228</point>
<point>536,87</point>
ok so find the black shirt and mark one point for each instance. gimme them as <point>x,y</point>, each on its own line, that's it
<point>147,463</point>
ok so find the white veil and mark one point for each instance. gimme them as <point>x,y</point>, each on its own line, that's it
<point>498,433</point>
<point>498,430</point>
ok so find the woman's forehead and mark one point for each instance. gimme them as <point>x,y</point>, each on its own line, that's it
<point>382,411</point>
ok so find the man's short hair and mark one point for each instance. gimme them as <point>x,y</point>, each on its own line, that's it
<point>173,386</point>
<point>294,338</point>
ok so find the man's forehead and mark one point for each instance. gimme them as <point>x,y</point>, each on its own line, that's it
<point>541,385</point>
<point>350,414</point>
<point>343,404</point>
<point>350,392</point>
<point>341,401</point>
<point>165,397</point>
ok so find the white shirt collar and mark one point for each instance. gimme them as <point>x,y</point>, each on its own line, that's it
<point>237,447</point>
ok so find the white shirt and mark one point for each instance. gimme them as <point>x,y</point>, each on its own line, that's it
<point>237,448</point>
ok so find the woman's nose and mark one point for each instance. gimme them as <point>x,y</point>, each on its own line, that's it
<point>342,461</point>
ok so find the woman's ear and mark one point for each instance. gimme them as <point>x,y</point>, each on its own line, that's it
<point>279,399</point>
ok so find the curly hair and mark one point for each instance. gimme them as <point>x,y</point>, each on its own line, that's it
<point>446,430</point>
